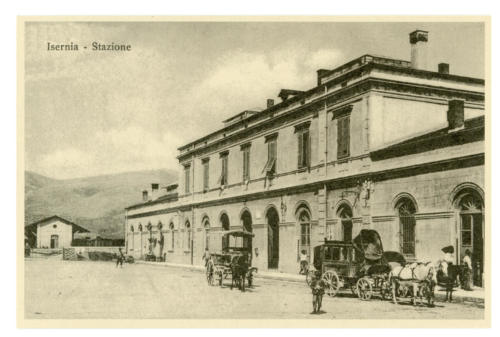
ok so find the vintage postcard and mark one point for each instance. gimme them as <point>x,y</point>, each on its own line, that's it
<point>253,171</point>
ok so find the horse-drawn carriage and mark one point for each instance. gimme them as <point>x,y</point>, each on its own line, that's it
<point>233,260</point>
<point>360,265</point>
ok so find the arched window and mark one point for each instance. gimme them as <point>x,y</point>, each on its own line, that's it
<point>160,225</point>
<point>188,234</point>
<point>406,211</point>
<point>345,214</point>
<point>172,236</point>
<point>140,227</point>
<point>206,228</point>
<point>132,228</point>
<point>224,221</point>
<point>304,219</point>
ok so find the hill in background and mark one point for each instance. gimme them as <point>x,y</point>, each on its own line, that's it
<point>96,203</point>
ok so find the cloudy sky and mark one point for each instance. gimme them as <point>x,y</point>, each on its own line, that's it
<point>90,113</point>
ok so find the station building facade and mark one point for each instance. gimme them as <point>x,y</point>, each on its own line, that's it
<point>379,143</point>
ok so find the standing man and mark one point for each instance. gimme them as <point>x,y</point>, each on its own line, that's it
<point>206,257</point>
<point>120,258</point>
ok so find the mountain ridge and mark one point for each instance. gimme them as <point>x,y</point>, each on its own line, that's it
<point>96,203</point>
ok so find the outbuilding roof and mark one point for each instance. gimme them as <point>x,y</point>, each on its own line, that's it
<point>76,228</point>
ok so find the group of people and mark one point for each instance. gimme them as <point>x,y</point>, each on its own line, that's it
<point>466,275</point>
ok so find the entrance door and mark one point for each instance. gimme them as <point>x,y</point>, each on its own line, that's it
<point>273,239</point>
<point>471,233</point>
<point>472,239</point>
<point>54,241</point>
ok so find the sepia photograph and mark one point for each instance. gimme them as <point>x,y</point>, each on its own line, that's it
<point>304,169</point>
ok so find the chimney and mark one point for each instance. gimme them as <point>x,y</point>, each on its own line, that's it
<point>455,114</point>
<point>443,68</point>
<point>154,191</point>
<point>418,41</point>
<point>321,73</point>
<point>270,103</point>
<point>144,195</point>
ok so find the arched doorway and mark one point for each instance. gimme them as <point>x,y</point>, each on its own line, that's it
<point>345,214</point>
<point>246,220</point>
<point>304,220</point>
<point>224,221</point>
<point>471,222</point>
<point>273,238</point>
<point>406,210</point>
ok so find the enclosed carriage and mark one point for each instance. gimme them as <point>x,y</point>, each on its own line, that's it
<point>360,265</point>
<point>233,260</point>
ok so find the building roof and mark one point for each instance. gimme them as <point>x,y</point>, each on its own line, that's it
<point>76,228</point>
<point>473,130</point>
<point>165,198</point>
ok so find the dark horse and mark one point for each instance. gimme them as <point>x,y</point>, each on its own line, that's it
<point>447,276</point>
<point>239,270</point>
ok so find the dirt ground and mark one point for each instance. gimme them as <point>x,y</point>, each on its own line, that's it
<point>76,289</point>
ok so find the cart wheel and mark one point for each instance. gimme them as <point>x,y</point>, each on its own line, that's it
<point>309,277</point>
<point>332,280</point>
<point>364,289</point>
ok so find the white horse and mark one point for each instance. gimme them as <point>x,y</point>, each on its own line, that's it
<point>420,278</point>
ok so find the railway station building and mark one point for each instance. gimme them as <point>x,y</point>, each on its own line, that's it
<point>392,145</point>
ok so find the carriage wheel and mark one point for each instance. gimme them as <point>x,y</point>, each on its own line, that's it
<point>332,281</point>
<point>364,289</point>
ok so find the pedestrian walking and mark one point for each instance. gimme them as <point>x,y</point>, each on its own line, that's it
<point>467,270</point>
<point>120,258</point>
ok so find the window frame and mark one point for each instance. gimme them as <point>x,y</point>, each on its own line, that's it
<point>245,149</point>
<point>187,178</point>
<point>343,136</point>
<point>206,174</point>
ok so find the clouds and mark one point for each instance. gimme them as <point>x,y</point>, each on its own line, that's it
<point>242,80</point>
<point>128,130</point>
<point>117,150</point>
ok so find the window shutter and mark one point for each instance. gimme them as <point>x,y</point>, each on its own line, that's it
<point>300,151</point>
<point>347,135</point>
<point>307,149</point>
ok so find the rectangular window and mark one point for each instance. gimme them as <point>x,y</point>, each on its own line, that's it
<point>224,170</point>
<point>304,149</point>
<point>206,172</point>
<point>343,137</point>
<point>246,162</point>
<point>270,167</point>
<point>187,178</point>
